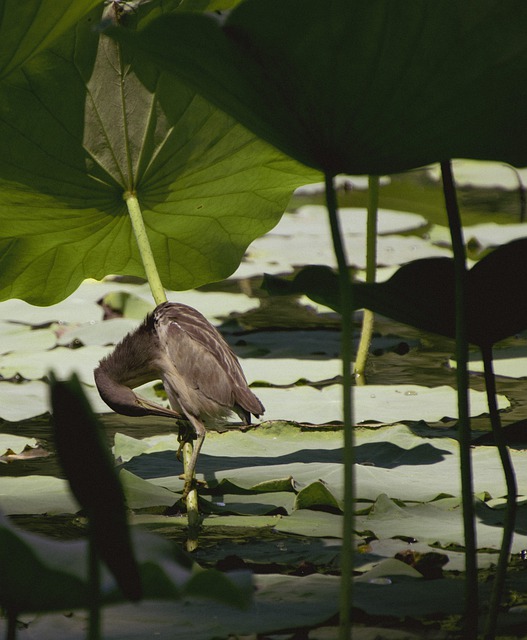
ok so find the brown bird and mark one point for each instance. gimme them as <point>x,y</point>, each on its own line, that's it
<point>202,377</point>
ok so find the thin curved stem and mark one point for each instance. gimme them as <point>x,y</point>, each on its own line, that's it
<point>149,263</point>
<point>158,292</point>
<point>512,490</point>
<point>371,270</point>
<point>345,286</point>
<point>467,488</point>
<point>192,503</point>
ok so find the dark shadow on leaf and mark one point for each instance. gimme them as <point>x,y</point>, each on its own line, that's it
<point>389,456</point>
<point>495,517</point>
<point>385,455</point>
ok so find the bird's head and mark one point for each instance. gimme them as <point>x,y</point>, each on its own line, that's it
<point>123,400</point>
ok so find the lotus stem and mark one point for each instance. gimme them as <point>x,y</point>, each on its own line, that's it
<point>159,295</point>
<point>371,272</point>
<point>145,250</point>
<point>345,287</point>
<point>192,504</point>
<point>512,490</point>
<point>467,487</point>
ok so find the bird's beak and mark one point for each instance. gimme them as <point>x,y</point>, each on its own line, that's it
<point>158,410</point>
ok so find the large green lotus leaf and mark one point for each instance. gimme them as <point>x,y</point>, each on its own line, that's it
<point>360,87</point>
<point>30,26</point>
<point>207,186</point>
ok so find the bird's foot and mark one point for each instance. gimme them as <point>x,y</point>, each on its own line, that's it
<point>185,434</point>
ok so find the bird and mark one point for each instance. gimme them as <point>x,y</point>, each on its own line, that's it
<point>202,376</point>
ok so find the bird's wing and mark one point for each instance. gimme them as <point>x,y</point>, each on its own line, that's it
<point>202,357</point>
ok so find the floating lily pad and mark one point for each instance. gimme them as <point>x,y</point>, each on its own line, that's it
<point>10,443</point>
<point>380,403</point>
<point>420,521</point>
<point>490,234</point>
<point>276,254</point>
<point>36,494</point>
<point>311,221</point>
<point>63,361</point>
<point>21,337</point>
<point>509,362</point>
<point>23,401</point>
<point>482,174</point>
<point>141,494</point>
<point>109,332</point>
<point>342,182</point>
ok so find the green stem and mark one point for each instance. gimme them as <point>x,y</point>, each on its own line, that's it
<point>467,491</point>
<point>192,504</point>
<point>149,263</point>
<point>345,287</point>
<point>158,292</point>
<point>94,577</point>
<point>510,513</point>
<point>371,269</point>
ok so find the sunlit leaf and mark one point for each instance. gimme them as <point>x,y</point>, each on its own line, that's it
<point>207,186</point>
<point>30,26</point>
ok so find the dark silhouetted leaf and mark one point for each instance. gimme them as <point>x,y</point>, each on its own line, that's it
<point>90,470</point>
<point>422,294</point>
<point>360,87</point>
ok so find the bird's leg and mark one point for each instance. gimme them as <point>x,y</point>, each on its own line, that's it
<point>185,434</point>
<point>199,428</point>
